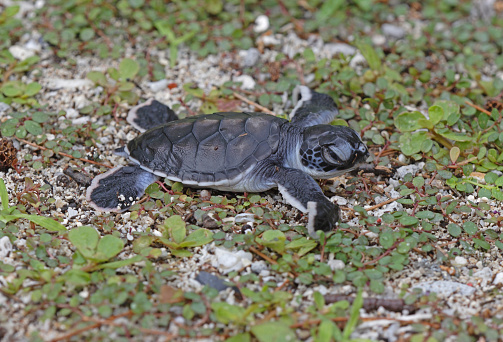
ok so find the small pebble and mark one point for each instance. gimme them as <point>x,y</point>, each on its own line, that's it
<point>249,57</point>
<point>498,279</point>
<point>247,82</point>
<point>158,86</point>
<point>393,31</point>
<point>5,247</point>
<point>261,24</point>
<point>459,261</point>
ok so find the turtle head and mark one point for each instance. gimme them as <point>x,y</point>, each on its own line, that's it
<point>328,151</point>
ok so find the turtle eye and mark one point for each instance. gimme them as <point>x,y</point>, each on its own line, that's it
<point>335,155</point>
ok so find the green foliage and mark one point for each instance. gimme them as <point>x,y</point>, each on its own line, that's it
<point>442,131</point>
<point>119,87</point>
<point>164,29</point>
<point>12,214</point>
<point>95,249</point>
<point>273,332</point>
<point>176,239</point>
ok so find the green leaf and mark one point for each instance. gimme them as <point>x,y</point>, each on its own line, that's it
<point>328,9</point>
<point>128,68</point>
<point>408,220</point>
<point>108,247</point>
<point>10,11</point>
<point>407,122</point>
<point>273,332</point>
<point>12,89</point>
<point>33,127</point>
<point>274,239</point>
<point>98,78</point>
<point>32,89</point>
<point>497,194</point>
<point>436,114</point>
<point>454,154</point>
<point>449,107</point>
<point>85,239</point>
<point>303,245</point>
<point>46,222</point>
<point>454,229</point>
<point>9,127</point>
<point>197,238</point>
<point>175,227</point>
<point>4,195</point>
<point>370,55</point>
<point>411,143</point>
<point>353,316</point>
<point>456,136</point>
<point>490,177</point>
<point>86,34</point>
<point>470,228</point>
<point>325,331</point>
<point>214,6</point>
<point>40,117</point>
<point>243,337</point>
<point>77,277</point>
<point>226,313</point>
<point>482,244</point>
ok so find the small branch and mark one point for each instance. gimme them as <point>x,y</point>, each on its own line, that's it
<point>63,154</point>
<point>254,104</point>
<point>382,203</point>
<point>480,109</point>
<point>263,256</point>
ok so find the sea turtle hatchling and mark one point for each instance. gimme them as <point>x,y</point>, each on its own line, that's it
<point>242,152</point>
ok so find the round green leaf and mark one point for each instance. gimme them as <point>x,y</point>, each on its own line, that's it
<point>407,122</point>
<point>85,239</point>
<point>470,228</point>
<point>86,34</point>
<point>128,68</point>
<point>435,113</point>
<point>411,143</point>
<point>454,229</point>
<point>32,89</point>
<point>408,220</point>
<point>33,127</point>
<point>454,153</point>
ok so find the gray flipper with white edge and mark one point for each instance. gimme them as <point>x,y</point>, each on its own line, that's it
<point>118,189</point>
<point>301,191</point>
<point>312,108</point>
<point>150,114</point>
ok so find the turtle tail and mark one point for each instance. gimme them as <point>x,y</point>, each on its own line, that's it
<point>119,188</point>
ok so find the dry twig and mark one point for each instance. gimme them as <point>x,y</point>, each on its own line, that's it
<point>254,104</point>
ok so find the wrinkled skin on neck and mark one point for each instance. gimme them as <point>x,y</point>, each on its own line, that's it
<point>328,151</point>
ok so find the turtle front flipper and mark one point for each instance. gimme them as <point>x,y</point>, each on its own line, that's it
<point>302,192</point>
<point>312,108</point>
<point>118,189</point>
<point>150,114</point>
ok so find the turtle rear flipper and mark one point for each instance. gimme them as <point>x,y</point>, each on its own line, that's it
<point>302,192</point>
<point>150,114</point>
<point>312,108</point>
<point>118,189</point>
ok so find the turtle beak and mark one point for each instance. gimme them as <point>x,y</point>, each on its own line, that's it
<point>361,154</point>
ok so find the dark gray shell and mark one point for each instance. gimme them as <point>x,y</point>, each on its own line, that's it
<point>208,149</point>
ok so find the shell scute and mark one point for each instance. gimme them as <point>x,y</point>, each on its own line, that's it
<point>210,153</point>
<point>205,128</point>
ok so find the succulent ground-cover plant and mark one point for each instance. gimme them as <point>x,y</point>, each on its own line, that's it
<point>420,234</point>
